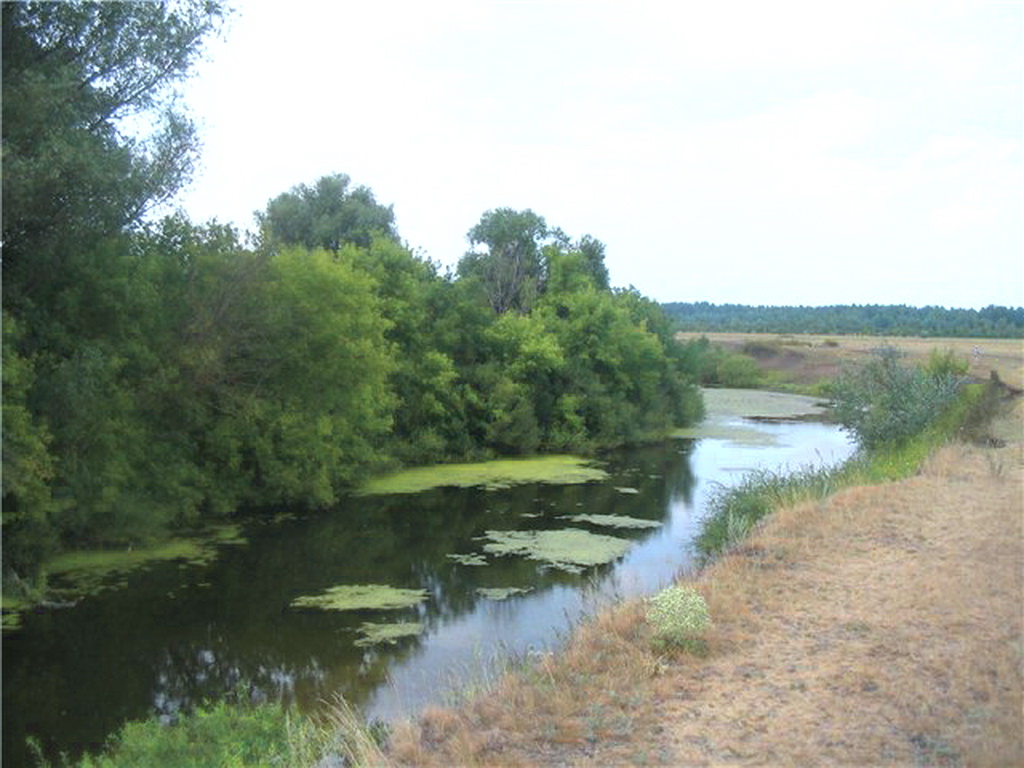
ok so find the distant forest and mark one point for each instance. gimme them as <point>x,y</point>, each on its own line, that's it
<point>870,320</point>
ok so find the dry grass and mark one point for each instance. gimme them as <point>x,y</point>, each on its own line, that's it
<point>881,626</point>
<point>807,359</point>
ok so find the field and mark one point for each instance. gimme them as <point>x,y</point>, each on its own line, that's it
<point>804,360</point>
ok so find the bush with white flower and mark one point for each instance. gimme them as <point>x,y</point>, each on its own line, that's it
<point>678,617</point>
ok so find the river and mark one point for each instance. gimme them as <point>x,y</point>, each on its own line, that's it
<point>178,633</point>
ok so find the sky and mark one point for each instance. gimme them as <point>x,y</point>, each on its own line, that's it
<point>764,153</point>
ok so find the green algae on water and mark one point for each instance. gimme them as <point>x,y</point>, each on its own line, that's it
<point>468,559</point>
<point>491,475</point>
<point>362,597</point>
<point>725,408</point>
<point>501,593</point>
<point>88,572</point>
<point>570,549</point>
<point>387,634</point>
<point>613,521</point>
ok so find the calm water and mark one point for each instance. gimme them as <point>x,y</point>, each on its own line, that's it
<point>180,634</point>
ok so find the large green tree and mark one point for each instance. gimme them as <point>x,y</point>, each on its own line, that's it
<point>327,214</point>
<point>93,140</point>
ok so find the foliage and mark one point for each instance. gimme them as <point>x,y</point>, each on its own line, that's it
<point>235,733</point>
<point>678,617</point>
<point>327,215</point>
<point>720,367</point>
<point>872,320</point>
<point>160,375</point>
<point>884,402</point>
<point>225,734</point>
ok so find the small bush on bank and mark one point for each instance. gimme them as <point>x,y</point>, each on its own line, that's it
<point>679,617</point>
<point>884,402</point>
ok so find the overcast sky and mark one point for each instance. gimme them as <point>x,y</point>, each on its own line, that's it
<point>750,152</point>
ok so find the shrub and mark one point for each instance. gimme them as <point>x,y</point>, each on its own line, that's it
<point>884,402</point>
<point>679,617</point>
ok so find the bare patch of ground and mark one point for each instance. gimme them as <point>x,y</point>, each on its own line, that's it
<point>882,625</point>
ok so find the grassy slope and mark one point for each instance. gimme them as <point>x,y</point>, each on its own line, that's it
<point>881,625</point>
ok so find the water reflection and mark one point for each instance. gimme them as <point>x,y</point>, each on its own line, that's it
<point>180,636</point>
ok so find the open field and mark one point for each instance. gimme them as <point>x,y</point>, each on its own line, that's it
<point>881,625</point>
<point>807,359</point>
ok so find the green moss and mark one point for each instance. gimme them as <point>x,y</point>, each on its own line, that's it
<point>613,521</point>
<point>359,597</point>
<point>387,634</point>
<point>570,549</point>
<point>555,470</point>
<point>501,593</point>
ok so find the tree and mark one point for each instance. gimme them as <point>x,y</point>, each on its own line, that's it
<point>512,271</point>
<point>73,172</point>
<point>327,215</point>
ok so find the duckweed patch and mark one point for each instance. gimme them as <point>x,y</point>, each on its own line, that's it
<point>613,521</point>
<point>492,475</point>
<point>468,559</point>
<point>760,404</point>
<point>570,549</point>
<point>87,572</point>
<point>725,410</point>
<point>362,597</point>
<point>387,634</point>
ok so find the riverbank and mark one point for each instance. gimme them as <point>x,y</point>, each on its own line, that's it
<point>880,625</point>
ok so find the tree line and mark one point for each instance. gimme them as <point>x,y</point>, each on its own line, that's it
<point>870,320</point>
<point>162,373</point>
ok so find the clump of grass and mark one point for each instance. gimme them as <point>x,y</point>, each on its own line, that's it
<point>678,617</point>
<point>733,511</point>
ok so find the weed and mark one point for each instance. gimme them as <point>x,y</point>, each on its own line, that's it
<point>678,617</point>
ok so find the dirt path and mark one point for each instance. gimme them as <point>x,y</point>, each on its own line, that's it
<point>880,626</point>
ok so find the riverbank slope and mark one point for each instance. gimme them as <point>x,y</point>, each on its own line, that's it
<point>880,625</point>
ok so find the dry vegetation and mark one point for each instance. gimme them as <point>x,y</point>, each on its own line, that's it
<point>808,359</point>
<point>880,626</point>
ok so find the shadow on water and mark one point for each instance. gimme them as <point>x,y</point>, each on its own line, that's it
<point>179,635</point>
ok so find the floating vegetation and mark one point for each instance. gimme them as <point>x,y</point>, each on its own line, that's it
<point>759,404</point>
<point>387,634</point>
<point>628,490</point>
<point>725,410</point>
<point>11,621</point>
<point>501,593</point>
<point>492,475</point>
<point>362,597</point>
<point>88,572</point>
<point>468,559</point>
<point>613,521</point>
<point>570,549</point>
<point>11,612</point>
